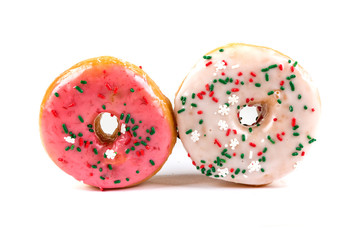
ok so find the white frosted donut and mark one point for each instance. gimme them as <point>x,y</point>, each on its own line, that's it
<point>230,79</point>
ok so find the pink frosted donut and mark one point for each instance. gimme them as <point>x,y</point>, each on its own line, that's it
<point>210,106</point>
<point>73,130</point>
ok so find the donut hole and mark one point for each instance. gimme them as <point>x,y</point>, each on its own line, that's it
<point>251,115</point>
<point>106,127</point>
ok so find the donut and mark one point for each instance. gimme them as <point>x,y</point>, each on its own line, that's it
<point>236,80</point>
<point>106,123</point>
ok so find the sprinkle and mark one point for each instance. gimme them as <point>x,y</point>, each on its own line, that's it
<point>270,93</point>
<point>208,63</point>
<point>195,136</point>
<point>299,96</point>
<point>221,50</point>
<point>200,112</point>
<point>127,118</point>
<point>293,122</point>
<point>279,137</point>
<point>56,94</point>
<point>257,85</point>
<point>79,89</point>
<point>266,77</point>
<point>152,162</point>
<point>188,131</point>
<point>253,74</point>
<point>291,108</point>
<point>117,181</point>
<point>78,149</point>
<point>152,132</point>
<point>201,121</point>
<point>54,113</point>
<point>296,134</point>
<point>279,101</point>
<point>83,82</point>
<point>243,138</point>
<point>95,151</point>
<point>295,64</point>
<point>102,178</point>
<point>215,99</point>
<point>132,90</point>
<point>81,119</point>
<point>110,167</point>
<point>108,86</point>
<point>181,110</point>
<point>273,66</point>
<point>294,154</point>
<point>252,144</point>
<point>65,128</point>
<point>270,139</point>
<point>193,105</point>
<point>292,86</point>
<point>217,142</point>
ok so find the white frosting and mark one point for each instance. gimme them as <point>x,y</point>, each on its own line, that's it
<point>247,75</point>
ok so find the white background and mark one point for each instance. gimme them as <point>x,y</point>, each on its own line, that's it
<point>39,40</point>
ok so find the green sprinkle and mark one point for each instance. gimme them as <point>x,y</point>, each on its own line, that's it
<point>250,129</point>
<point>265,69</point>
<point>72,147</point>
<point>81,119</point>
<point>127,179</point>
<point>270,93</point>
<point>262,170</point>
<point>211,87</point>
<point>135,128</point>
<point>91,130</point>
<point>292,86</point>
<point>56,94</point>
<point>273,66</point>
<point>295,127</point>
<point>295,64</point>
<point>228,92</point>
<point>312,140</point>
<point>78,149</point>
<point>79,89</point>
<point>148,138</point>
<point>201,121</point>
<point>296,134</point>
<point>295,154</point>
<point>152,132</point>
<point>305,107</point>
<point>109,167</point>
<point>279,101</point>
<point>143,143</point>
<point>132,148</point>
<point>257,85</point>
<point>95,151</point>
<point>67,148</point>
<point>264,150</point>
<point>289,61</point>
<point>299,96</point>
<point>291,108</point>
<point>242,156</point>
<point>237,171</point>
<point>137,171</point>
<point>222,81</point>
<point>89,125</point>
<point>193,105</point>
<point>102,178</point>
<point>93,166</point>
<point>243,137</point>
<point>103,107</point>
<point>266,77</point>
<point>221,50</point>
<point>309,137</point>
<point>127,118</point>
<point>270,139</point>
<point>122,116</point>
<point>193,96</point>
<point>152,162</point>
<point>242,83</point>
<point>65,128</point>
<point>117,181</point>
<point>83,82</point>
<point>132,90</point>
<point>127,151</point>
<point>188,131</point>
<point>181,110</point>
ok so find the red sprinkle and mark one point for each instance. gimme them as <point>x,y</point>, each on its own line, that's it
<point>147,147</point>
<point>279,137</point>
<point>293,122</point>
<point>207,87</point>
<point>237,81</point>
<point>240,74</point>
<point>54,113</point>
<point>251,80</point>
<point>202,166</point>
<point>115,90</point>
<point>140,67</point>
<point>228,132</point>
<point>101,96</point>
<point>87,144</point>
<point>71,104</point>
<point>234,89</point>
<point>282,83</point>
<point>108,86</point>
<point>223,73</point>
<point>313,109</point>
<point>188,154</point>
<point>247,100</point>
<point>281,67</point>
<point>145,100</point>
<point>275,119</point>
<point>208,63</point>
<point>292,68</point>
<point>234,130</point>
<point>211,94</point>
<point>231,170</point>
<point>210,165</point>
<point>217,142</point>
<point>259,153</point>
<point>302,153</point>
<point>193,162</point>
<point>200,112</point>
<point>224,62</point>
<point>252,144</point>
<point>81,141</point>
<point>253,74</point>
<point>215,99</point>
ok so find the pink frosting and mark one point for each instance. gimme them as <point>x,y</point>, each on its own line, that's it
<point>112,88</point>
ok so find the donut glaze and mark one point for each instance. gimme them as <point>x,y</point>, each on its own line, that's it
<point>209,101</point>
<point>69,123</point>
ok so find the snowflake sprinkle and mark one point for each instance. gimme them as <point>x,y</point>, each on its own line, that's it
<point>123,128</point>
<point>233,143</point>
<point>254,166</point>
<point>69,139</point>
<point>222,125</point>
<point>223,110</point>
<point>233,99</point>
<point>195,136</point>
<point>110,154</point>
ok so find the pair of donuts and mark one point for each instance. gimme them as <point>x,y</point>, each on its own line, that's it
<point>208,115</point>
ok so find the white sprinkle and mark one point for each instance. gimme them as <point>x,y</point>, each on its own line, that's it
<point>226,145</point>
<point>233,143</point>
<point>123,128</point>
<point>195,136</point>
<point>220,65</point>
<point>254,166</point>
<point>69,139</point>
<point>223,172</point>
<point>222,125</point>
<point>223,110</point>
<point>233,99</point>
<point>235,66</point>
<point>110,154</point>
